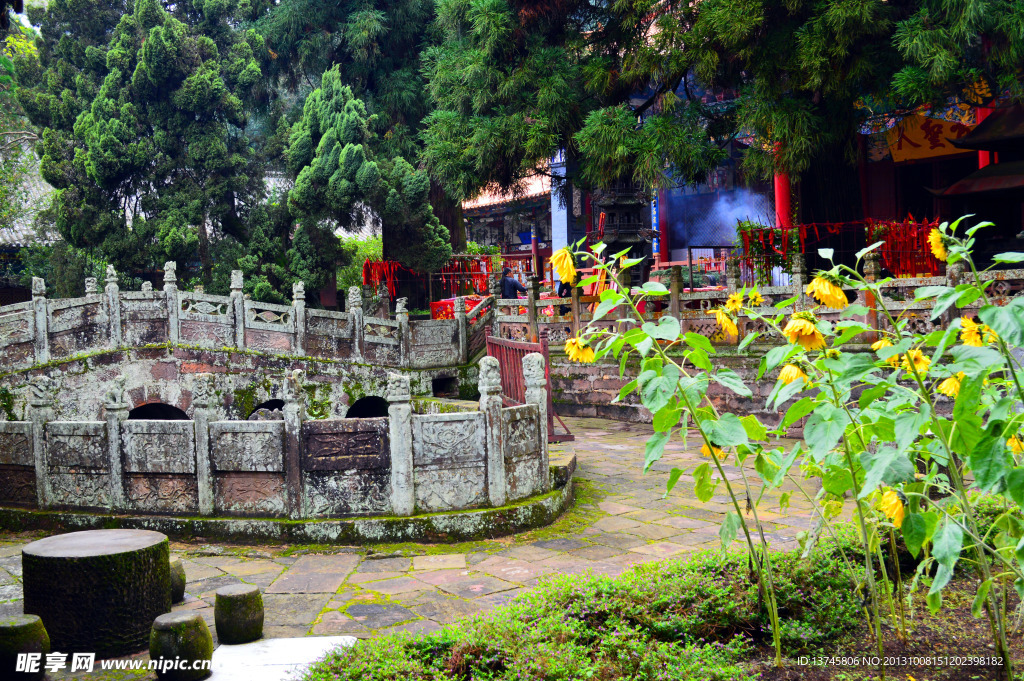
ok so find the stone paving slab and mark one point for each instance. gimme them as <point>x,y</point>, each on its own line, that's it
<point>621,519</point>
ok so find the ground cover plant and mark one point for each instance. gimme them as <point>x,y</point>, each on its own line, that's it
<point>878,434</point>
<point>698,618</point>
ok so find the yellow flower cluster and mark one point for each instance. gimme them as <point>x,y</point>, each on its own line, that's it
<point>1016,445</point>
<point>938,244</point>
<point>735,303</point>
<point>918,359</point>
<point>791,372</point>
<point>562,262</point>
<point>755,299</point>
<point>726,321</point>
<point>893,361</point>
<point>801,330</point>
<point>826,289</point>
<point>719,452</point>
<point>578,351</point>
<point>974,334</point>
<point>951,386</point>
<point>892,507</point>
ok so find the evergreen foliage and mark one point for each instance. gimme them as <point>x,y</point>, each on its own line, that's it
<point>339,177</point>
<point>143,115</point>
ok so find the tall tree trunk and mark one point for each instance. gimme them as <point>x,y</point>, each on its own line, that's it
<point>449,212</point>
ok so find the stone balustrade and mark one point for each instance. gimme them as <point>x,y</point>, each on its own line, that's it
<point>522,319</point>
<point>44,330</point>
<point>415,460</point>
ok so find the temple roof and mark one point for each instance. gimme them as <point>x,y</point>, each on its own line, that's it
<point>1003,130</point>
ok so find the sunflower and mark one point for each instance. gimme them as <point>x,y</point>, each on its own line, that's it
<point>791,372</point>
<point>951,386</point>
<point>755,298</point>
<point>735,303</point>
<point>916,357</point>
<point>719,452</point>
<point>894,361</point>
<point>892,507</point>
<point>578,351</point>
<point>938,244</point>
<point>801,329</point>
<point>1015,444</point>
<point>726,321</point>
<point>826,288</point>
<point>988,334</point>
<point>970,332</point>
<point>832,353</point>
<point>562,261</point>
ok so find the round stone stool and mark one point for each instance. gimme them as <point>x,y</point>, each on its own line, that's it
<point>238,613</point>
<point>98,591</point>
<point>179,640</point>
<point>22,634</point>
<point>177,581</point>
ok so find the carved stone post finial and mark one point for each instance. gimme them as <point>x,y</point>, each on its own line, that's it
<point>298,292</point>
<point>872,266</point>
<point>489,382</point>
<point>111,278</point>
<point>237,280</point>
<point>400,306</point>
<point>38,287</point>
<point>112,307</point>
<point>355,299</point>
<point>403,500</point>
<point>170,273</point>
<point>732,275</point>
<point>90,286</point>
<point>40,320</point>
<point>147,287</point>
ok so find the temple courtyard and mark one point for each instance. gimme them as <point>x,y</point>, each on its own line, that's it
<point>620,518</point>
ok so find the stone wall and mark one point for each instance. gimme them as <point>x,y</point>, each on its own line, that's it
<point>403,464</point>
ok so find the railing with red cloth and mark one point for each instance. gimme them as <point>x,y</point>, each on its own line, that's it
<point>510,354</point>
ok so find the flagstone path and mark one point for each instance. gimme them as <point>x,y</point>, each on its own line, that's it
<point>621,518</point>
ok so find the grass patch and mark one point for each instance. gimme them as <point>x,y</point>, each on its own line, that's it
<point>700,618</point>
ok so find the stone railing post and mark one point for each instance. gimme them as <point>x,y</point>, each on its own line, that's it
<point>462,328</point>
<point>202,401</point>
<point>354,307</point>
<point>494,286</point>
<point>41,411</point>
<point>403,499</point>
<point>732,275</point>
<point>489,385</point>
<point>90,287</point>
<point>238,305</point>
<point>299,315</point>
<point>537,393</point>
<point>41,321</point>
<point>112,302</point>
<point>404,334</point>
<point>799,279</point>
<point>171,291</point>
<point>116,410</point>
<point>294,414</point>
<point>675,278</point>
<point>532,296</point>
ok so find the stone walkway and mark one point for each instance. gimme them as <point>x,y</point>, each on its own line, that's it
<point>620,519</point>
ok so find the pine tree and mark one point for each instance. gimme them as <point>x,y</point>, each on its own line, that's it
<point>339,176</point>
<point>143,116</point>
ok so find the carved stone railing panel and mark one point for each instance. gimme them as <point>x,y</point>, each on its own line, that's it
<point>158,447</point>
<point>247,446</point>
<point>17,465</point>
<point>523,451</point>
<point>449,461</point>
<point>78,463</point>
<point>204,307</point>
<point>144,318</point>
<point>75,325</point>
<point>379,330</point>
<point>433,343</point>
<point>16,327</point>
<point>329,334</point>
<point>247,458</point>
<point>269,316</point>
<point>346,467</point>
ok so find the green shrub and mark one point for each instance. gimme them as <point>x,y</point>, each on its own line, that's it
<point>699,618</point>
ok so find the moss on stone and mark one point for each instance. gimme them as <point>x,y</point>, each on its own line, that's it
<point>7,404</point>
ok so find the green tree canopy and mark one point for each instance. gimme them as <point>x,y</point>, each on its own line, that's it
<point>341,181</point>
<point>143,110</point>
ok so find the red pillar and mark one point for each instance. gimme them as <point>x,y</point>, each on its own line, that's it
<point>985,157</point>
<point>783,206</point>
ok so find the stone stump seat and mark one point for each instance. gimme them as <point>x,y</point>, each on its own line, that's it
<point>177,641</point>
<point>238,613</point>
<point>98,591</point>
<point>177,581</point>
<point>22,634</point>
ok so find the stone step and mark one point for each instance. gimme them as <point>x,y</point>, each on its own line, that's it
<point>273,659</point>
